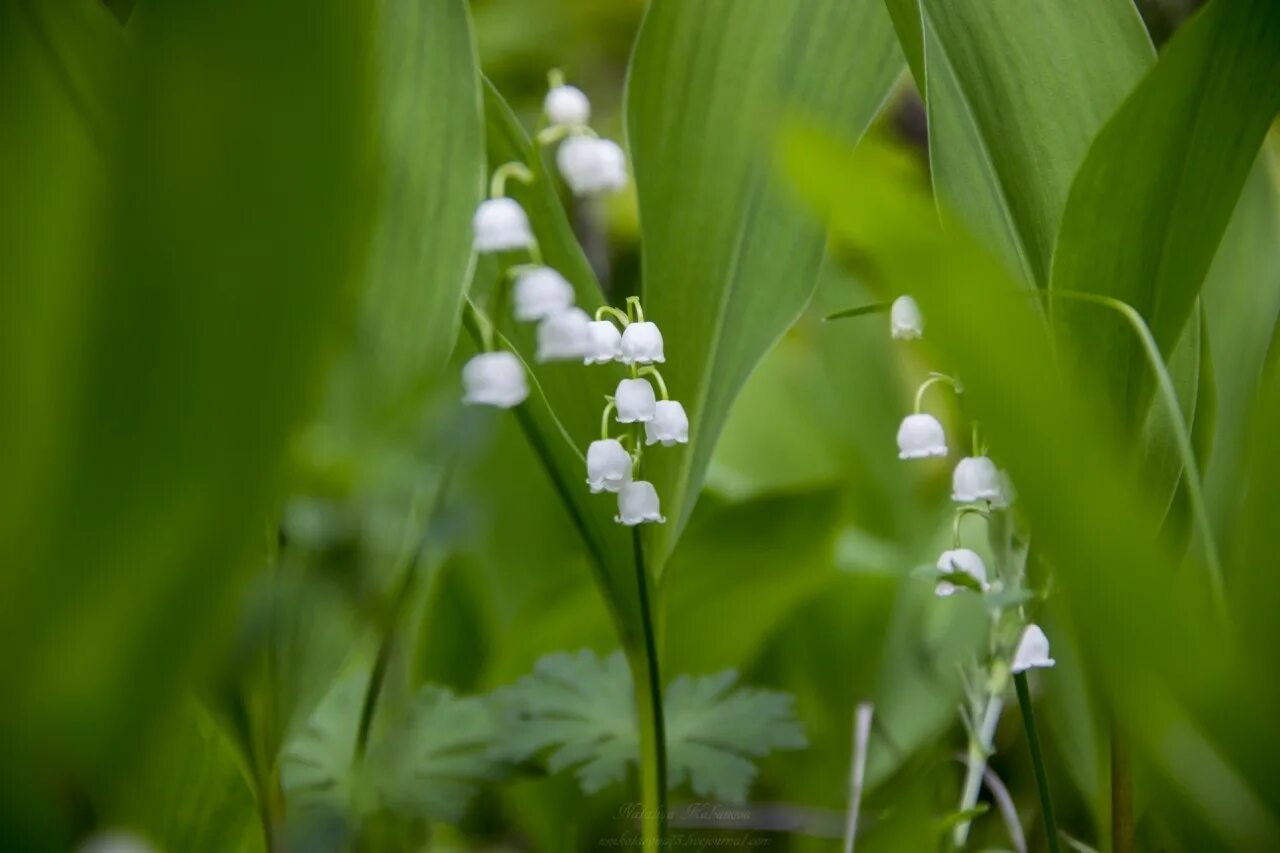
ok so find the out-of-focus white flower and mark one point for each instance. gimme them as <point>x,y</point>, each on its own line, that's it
<point>494,379</point>
<point>540,293</point>
<point>591,166</point>
<point>1033,650</point>
<point>905,320</point>
<point>642,344</point>
<point>500,225</point>
<point>564,335</point>
<point>608,465</point>
<point>921,436</point>
<point>976,478</point>
<point>670,424</point>
<point>960,560</point>
<point>605,343</point>
<point>567,106</point>
<point>635,401</point>
<point>638,503</point>
<point>115,841</point>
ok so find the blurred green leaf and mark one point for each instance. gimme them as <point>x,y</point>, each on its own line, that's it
<point>728,261</point>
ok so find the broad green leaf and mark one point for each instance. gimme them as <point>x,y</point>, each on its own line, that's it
<point>1015,93</point>
<point>728,259</point>
<point>1151,201</point>
<point>580,706</point>
<point>175,301</point>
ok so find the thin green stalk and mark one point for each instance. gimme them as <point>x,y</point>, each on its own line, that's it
<point>653,737</point>
<point>1037,760</point>
<point>981,744</point>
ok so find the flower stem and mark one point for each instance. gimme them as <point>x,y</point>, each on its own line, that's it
<point>514,169</point>
<point>633,304</point>
<point>960,514</point>
<point>980,746</point>
<point>604,418</point>
<point>662,385</point>
<point>933,379</point>
<point>1037,760</point>
<point>649,716</point>
<point>613,312</point>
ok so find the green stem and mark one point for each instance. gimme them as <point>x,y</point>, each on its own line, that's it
<point>662,385</point>
<point>614,312</point>
<point>933,380</point>
<point>633,304</point>
<point>514,169</point>
<point>653,738</point>
<point>960,514</point>
<point>981,743</point>
<point>604,418</point>
<point>1037,760</point>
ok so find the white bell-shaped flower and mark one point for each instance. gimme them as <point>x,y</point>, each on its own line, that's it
<point>567,106</point>
<point>1033,650</point>
<point>605,344</point>
<point>608,465</point>
<point>540,293</point>
<point>976,478</point>
<point>642,344</point>
<point>592,166</point>
<point>960,560</point>
<point>500,225</point>
<point>670,425</point>
<point>905,320</point>
<point>564,335</point>
<point>635,401</point>
<point>638,503</point>
<point>921,436</point>
<point>494,379</point>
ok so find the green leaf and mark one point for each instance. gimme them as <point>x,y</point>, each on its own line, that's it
<point>1150,204</point>
<point>580,706</point>
<point>728,260</point>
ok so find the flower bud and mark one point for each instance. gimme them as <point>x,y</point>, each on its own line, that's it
<point>905,321</point>
<point>540,293</point>
<point>642,344</point>
<point>960,560</point>
<point>921,436</point>
<point>592,166</point>
<point>670,425</point>
<point>494,379</point>
<point>638,503</point>
<point>1033,651</point>
<point>605,344</point>
<point>567,106</point>
<point>608,465</point>
<point>977,479</point>
<point>635,401</point>
<point>501,225</point>
<point>564,335</point>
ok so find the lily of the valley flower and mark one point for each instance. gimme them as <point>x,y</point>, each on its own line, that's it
<point>1033,651</point>
<point>670,424</point>
<point>960,560</point>
<point>564,335</point>
<point>567,106</point>
<point>635,400</point>
<point>642,344</point>
<point>905,320</point>
<point>591,166</point>
<point>604,344</point>
<point>541,292</point>
<point>638,503</point>
<point>494,379</point>
<point>608,465</point>
<point>921,436</point>
<point>500,225</point>
<point>976,478</point>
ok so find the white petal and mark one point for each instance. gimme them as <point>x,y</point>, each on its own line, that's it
<point>567,106</point>
<point>964,560</point>
<point>635,401</point>
<point>592,166</point>
<point>608,465</point>
<point>638,503</point>
<point>500,225</point>
<point>921,436</point>
<point>976,478</point>
<point>1033,650</point>
<point>605,344</point>
<point>540,293</point>
<point>905,320</point>
<point>670,424</point>
<point>564,335</point>
<point>642,344</point>
<point>494,379</point>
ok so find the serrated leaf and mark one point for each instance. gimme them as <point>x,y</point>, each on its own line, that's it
<point>580,706</point>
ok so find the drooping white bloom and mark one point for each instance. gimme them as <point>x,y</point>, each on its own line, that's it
<point>1033,650</point>
<point>642,344</point>
<point>905,320</point>
<point>501,225</point>
<point>976,478</point>
<point>540,293</point>
<point>564,335</point>
<point>635,401</point>
<point>670,425</point>
<point>591,166</point>
<point>960,560</point>
<point>638,503</point>
<point>605,344</point>
<point>494,379</point>
<point>608,465</point>
<point>921,436</point>
<point>567,106</point>
<point>115,841</point>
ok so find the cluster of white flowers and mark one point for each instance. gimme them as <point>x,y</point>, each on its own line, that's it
<point>589,166</point>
